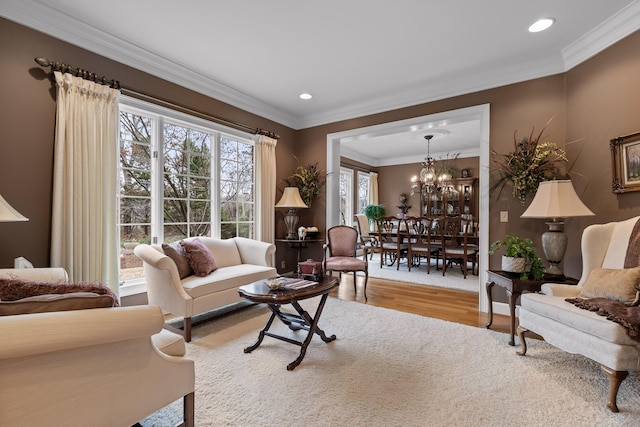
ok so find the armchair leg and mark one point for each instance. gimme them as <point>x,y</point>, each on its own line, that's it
<point>185,331</point>
<point>615,379</point>
<point>523,343</point>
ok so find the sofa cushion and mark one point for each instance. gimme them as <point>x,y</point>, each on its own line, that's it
<point>200,258</point>
<point>557,309</point>
<point>226,278</point>
<point>175,251</point>
<point>55,302</point>
<point>615,284</point>
<point>169,343</point>
<point>225,251</point>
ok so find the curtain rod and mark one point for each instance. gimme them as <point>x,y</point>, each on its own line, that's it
<point>115,84</point>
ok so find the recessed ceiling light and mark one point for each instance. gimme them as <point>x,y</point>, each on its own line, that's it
<point>541,24</point>
<point>306,96</point>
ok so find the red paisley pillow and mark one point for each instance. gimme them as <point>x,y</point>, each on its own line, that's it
<point>199,257</point>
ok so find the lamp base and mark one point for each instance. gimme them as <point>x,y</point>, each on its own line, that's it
<point>291,221</point>
<point>554,245</point>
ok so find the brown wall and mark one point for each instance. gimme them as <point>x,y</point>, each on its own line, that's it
<point>592,103</point>
<point>393,180</point>
<point>27,115</point>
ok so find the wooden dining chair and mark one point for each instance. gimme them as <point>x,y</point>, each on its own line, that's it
<point>455,245</point>
<point>391,240</point>
<point>421,241</point>
<point>367,239</point>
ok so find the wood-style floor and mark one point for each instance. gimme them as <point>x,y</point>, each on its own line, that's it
<point>430,301</point>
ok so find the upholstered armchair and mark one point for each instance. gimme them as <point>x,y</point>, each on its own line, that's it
<point>82,367</point>
<point>609,251</point>
<point>340,254</point>
<point>368,240</point>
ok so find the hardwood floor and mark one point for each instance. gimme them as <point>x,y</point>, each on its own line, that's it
<point>452,305</point>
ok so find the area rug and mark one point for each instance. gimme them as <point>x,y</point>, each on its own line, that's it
<point>389,368</point>
<point>452,280</point>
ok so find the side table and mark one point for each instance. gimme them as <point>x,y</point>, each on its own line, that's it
<point>515,286</point>
<point>298,245</point>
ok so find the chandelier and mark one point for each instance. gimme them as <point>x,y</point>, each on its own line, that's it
<point>428,171</point>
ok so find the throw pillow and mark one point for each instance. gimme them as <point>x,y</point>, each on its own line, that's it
<point>199,256</point>
<point>175,251</point>
<point>614,284</point>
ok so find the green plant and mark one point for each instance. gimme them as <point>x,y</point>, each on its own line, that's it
<point>374,211</point>
<point>517,247</point>
<point>310,181</point>
<point>531,162</point>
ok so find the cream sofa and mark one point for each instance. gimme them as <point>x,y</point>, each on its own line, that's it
<point>101,366</point>
<point>580,331</point>
<point>240,261</point>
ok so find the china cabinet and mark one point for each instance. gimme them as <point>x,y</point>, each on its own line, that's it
<point>453,197</point>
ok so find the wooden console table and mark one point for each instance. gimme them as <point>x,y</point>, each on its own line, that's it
<point>515,286</point>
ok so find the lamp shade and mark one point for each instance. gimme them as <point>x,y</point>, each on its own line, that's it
<point>291,199</point>
<point>8,213</point>
<point>556,199</point>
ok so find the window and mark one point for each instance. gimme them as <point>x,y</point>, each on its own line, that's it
<point>363,190</point>
<point>346,196</point>
<point>180,176</point>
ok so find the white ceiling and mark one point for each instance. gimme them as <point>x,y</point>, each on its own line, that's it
<point>356,57</point>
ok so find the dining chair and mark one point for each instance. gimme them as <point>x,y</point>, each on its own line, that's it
<point>367,239</point>
<point>455,245</point>
<point>421,241</point>
<point>391,234</point>
<point>340,254</point>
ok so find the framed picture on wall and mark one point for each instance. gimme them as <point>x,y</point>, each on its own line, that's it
<point>625,161</point>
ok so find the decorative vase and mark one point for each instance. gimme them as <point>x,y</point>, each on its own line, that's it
<point>514,265</point>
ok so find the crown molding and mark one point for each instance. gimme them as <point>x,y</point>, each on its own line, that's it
<point>48,20</point>
<point>612,30</point>
<point>43,18</point>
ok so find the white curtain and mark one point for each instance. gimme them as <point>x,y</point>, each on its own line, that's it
<point>84,214</point>
<point>265,187</point>
<point>373,188</point>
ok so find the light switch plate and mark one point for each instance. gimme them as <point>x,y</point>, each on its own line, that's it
<point>504,216</point>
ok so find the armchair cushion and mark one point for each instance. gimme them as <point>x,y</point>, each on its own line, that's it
<point>614,284</point>
<point>175,251</point>
<point>199,256</point>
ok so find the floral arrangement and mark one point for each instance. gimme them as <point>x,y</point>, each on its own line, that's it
<point>404,208</point>
<point>310,181</point>
<point>531,162</point>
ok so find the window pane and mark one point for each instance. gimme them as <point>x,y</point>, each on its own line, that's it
<point>174,232</point>
<point>227,230</point>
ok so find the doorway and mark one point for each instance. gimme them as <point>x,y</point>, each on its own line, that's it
<point>479,112</point>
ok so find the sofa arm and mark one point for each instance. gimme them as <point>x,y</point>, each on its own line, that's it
<point>255,251</point>
<point>561,290</point>
<point>33,334</point>
<point>50,274</point>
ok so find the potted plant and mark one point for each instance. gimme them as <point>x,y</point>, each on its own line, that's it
<point>520,256</point>
<point>373,211</point>
<point>404,208</point>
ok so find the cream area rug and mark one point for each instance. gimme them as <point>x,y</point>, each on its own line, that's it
<point>452,280</point>
<point>388,368</point>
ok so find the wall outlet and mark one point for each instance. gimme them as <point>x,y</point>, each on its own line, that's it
<point>283,265</point>
<point>504,216</point>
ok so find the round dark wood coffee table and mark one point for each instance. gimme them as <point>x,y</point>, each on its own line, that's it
<point>259,292</point>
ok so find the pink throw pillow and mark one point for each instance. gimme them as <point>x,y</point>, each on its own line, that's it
<point>199,256</point>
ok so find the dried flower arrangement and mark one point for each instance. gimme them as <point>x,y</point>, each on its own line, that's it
<point>531,162</point>
<point>310,181</point>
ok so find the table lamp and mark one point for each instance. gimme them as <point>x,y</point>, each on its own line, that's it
<point>291,199</point>
<point>556,200</point>
<point>8,213</point>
